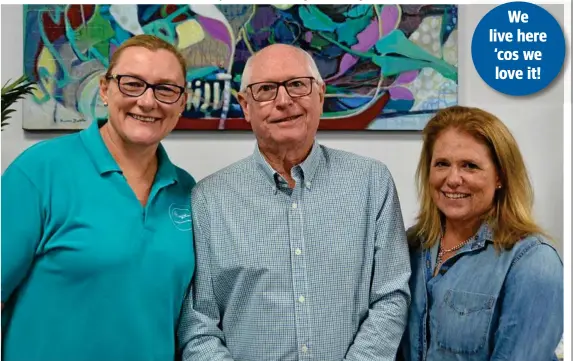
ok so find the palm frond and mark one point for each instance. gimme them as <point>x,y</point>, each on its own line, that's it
<point>12,92</point>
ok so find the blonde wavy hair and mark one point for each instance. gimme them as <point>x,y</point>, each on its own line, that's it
<point>510,217</point>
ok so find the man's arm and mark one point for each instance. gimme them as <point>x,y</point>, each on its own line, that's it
<point>199,334</point>
<point>381,332</point>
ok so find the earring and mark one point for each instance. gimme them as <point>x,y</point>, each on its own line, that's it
<point>105,104</point>
<point>499,186</point>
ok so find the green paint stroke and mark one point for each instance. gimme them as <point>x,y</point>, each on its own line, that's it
<point>397,54</point>
<point>314,19</point>
<point>95,33</point>
<point>200,73</point>
<point>348,31</point>
<point>394,46</point>
<point>358,11</point>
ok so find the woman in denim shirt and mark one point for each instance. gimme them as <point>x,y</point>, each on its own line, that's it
<point>486,283</point>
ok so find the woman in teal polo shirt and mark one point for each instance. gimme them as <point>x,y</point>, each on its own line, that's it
<point>97,248</point>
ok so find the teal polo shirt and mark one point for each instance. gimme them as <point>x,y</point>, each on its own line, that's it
<point>88,273</point>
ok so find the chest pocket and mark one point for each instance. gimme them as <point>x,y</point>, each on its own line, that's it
<point>463,321</point>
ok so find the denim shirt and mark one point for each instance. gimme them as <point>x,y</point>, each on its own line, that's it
<point>489,305</point>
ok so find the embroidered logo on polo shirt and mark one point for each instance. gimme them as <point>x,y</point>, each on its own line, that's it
<point>180,216</point>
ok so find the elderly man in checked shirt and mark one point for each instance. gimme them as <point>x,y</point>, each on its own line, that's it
<point>301,249</point>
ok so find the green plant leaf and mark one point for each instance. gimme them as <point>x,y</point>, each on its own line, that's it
<point>5,114</point>
<point>12,92</point>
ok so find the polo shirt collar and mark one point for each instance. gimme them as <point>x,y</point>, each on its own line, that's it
<point>104,161</point>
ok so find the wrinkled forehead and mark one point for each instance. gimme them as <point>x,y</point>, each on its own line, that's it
<point>279,66</point>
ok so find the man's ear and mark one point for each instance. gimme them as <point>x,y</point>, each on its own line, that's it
<point>321,92</point>
<point>242,98</point>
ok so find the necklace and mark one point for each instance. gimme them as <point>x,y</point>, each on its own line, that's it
<point>442,252</point>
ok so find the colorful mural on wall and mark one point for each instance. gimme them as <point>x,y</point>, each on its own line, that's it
<point>386,67</point>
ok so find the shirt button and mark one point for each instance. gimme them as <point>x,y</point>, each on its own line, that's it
<point>301,299</point>
<point>294,205</point>
<point>307,184</point>
<point>304,348</point>
<point>297,251</point>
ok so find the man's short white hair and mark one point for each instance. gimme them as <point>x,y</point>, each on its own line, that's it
<point>246,76</point>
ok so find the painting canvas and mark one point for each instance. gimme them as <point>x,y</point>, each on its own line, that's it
<point>386,66</point>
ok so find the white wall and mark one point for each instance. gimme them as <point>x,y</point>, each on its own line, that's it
<point>536,121</point>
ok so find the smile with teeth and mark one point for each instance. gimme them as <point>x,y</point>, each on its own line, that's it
<point>285,119</point>
<point>142,118</point>
<point>455,195</point>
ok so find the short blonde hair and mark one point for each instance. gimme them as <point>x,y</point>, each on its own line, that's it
<point>511,215</point>
<point>149,42</point>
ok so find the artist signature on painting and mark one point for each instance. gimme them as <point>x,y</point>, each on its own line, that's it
<point>73,120</point>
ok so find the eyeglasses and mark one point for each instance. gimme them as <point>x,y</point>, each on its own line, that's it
<point>268,90</point>
<point>133,86</point>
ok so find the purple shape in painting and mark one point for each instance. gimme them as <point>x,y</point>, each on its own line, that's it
<point>406,77</point>
<point>389,16</point>
<point>402,93</point>
<point>366,39</point>
<point>216,29</point>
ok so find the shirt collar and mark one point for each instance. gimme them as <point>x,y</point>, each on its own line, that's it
<point>104,162</point>
<point>96,148</point>
<point>309,166</point>
<point>269,172</point>
<point>166,170</point>
<point>483,235</point>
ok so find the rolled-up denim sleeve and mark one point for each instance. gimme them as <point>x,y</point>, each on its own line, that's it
<point>531,316</point>
<point>199,334</point>
<point>381,332</point>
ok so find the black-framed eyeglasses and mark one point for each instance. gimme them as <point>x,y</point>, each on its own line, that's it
<point>133,86</point>
<point>268,90</point>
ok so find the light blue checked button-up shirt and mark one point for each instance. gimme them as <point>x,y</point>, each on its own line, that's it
<point>317,272</point>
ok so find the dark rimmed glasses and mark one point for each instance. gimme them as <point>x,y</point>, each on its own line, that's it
<point>268,90</point>
<point>133,86</point>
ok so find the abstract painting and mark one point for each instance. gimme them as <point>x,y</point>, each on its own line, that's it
<point>386,67</point>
